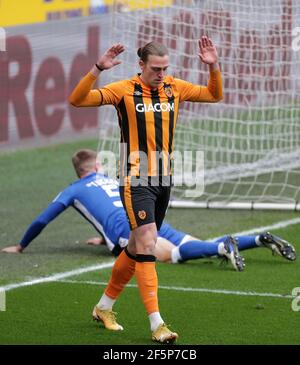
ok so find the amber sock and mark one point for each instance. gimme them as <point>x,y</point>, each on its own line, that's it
<point>146,277</point>
<point>123,270</point>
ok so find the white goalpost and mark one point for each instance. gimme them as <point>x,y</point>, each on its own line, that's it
<point>251,140</point>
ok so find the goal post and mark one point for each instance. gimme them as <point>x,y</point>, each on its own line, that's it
<point>251,140</point>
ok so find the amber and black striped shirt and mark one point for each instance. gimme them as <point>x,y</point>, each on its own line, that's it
<point>147,117</point>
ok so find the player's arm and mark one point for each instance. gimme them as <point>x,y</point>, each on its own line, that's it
<point>36,227</point>
<point>95,241</point>
<point>211,93</point>
<point>84,94</point>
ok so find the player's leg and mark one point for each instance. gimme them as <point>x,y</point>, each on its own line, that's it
<point>122,272</point>
<point>244,242</point>
<point>196,249</point>
<point>277,245</point>
<point>139,202</point>
<point>163,250</point>
<point>125,265</point>
<point>186,247</point>
<point>160,331</point>
<point>145,272</point>
<point>192,248</point>
<point>144,220</point>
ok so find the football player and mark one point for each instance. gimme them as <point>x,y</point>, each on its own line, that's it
<point>96,197</point>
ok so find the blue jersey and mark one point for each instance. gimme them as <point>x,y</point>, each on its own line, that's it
<point>96,197</point>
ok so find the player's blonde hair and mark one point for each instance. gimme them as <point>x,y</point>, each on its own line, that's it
<point>152,48</point>
<point>84,161</point>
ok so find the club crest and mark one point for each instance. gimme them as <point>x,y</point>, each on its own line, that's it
<point>142,214</point>
<point>168,91</point>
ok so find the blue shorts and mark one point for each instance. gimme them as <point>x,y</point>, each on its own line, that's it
<point>171,234</point>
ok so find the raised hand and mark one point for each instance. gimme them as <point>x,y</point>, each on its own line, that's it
<point>208,52</point>
<point>108,59</point>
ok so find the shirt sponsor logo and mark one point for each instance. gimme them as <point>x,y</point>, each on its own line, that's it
<point>163,107</point>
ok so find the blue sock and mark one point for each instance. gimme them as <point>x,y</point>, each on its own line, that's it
<point>244,242</point>
<point>197,249</point>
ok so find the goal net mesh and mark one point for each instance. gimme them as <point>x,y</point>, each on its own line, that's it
<point>251,140</point>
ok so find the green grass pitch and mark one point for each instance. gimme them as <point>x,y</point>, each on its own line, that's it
<point>204,302</point>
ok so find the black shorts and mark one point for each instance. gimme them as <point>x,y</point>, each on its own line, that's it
<point>145,203</point>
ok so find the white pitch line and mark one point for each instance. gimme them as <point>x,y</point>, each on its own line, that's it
<point>59,276</point>
<point>277,225</point>
<point>178,288</point>
<point>109,264</point>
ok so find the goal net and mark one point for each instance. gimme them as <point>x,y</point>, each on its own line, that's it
<point>250,142</point>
